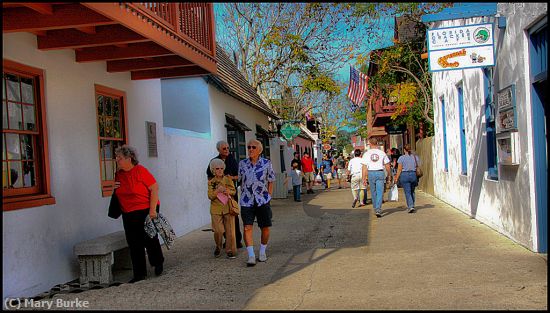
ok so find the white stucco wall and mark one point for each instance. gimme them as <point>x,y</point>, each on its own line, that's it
<point>506,205</point>
<point>38,242</point>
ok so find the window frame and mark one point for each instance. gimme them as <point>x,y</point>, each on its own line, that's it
<point>107,186</point>
<point>444,125</point>
<point>462,128</point>
<point>41,194</point>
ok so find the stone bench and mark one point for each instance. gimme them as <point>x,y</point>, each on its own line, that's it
<point>96,257</point>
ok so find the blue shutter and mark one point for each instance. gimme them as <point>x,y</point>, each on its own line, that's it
<point>444,124</point>
<point>464,162</point>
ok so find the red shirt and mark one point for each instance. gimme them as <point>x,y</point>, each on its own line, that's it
<point>133,193</point>
<point>307,164</point>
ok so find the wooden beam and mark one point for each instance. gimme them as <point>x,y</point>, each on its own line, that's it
<point>22,19</point>
<point>72,38</point>
<point>147,64</point>
<point>88,29</point>
<point>42,8</point>
<point>136,50</point>
<point>169,72</point>
<point>188,50</point>
<point>40,32</point>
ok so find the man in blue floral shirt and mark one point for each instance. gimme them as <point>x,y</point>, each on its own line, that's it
<point>256,176</point>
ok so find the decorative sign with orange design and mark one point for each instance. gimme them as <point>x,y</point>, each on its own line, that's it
<point>454,48</point>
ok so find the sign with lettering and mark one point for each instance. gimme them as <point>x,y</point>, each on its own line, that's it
<point>453,48</point>
<point>507,97</point>
<point>151,139</point>
<point>506,104</point>
<point>290,131</point>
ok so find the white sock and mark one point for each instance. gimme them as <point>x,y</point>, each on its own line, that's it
<point>250,250</point>
<point>262,248</point>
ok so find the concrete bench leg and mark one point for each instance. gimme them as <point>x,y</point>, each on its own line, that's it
<point>96,268</point>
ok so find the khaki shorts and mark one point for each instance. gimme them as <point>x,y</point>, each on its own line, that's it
<point>309,177</point>
<point>328,176</point>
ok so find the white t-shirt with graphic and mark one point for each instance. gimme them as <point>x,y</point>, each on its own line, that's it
<point>375,159</point>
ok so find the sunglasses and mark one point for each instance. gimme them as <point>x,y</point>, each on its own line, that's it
<point>219,168</point>
<point>251,147</point>
<point>225,148</point>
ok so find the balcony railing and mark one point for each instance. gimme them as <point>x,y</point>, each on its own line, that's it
<point>192,21</point>
<point>382,106</point>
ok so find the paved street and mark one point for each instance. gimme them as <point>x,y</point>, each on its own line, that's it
<point>325,255</point>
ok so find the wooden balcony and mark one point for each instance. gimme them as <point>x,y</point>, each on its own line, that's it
<point>381,109</point>
<point>148,39</point>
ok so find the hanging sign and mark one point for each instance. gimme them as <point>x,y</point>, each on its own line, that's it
<point>455,48</point>
<point>290,131</point>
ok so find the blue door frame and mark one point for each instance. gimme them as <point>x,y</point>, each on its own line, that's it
<point>538,59</point>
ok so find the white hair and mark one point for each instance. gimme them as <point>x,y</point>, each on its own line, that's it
<point>216,163</point>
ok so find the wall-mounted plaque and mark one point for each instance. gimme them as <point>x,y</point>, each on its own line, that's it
<point>506,115</point>
<point>151,139</point>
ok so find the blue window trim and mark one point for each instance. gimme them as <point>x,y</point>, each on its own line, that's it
<point>464,161</point>
<point>444,125</point>
<point>490,126</point>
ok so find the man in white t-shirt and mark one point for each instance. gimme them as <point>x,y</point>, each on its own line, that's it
<point>374,162</point>
<point>355,168</point>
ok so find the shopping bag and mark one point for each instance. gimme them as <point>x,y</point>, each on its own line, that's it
<point>393,194</point>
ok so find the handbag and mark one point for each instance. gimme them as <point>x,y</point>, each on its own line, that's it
<point>233,207</point>
<point>161,227</point>
<point>418,169</point>
<point>114,207</point>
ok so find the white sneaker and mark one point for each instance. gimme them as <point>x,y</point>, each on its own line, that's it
<point>251,260</point>
<point>263,257</point>
<point>411,210</point>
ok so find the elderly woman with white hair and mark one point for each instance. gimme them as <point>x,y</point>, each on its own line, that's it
<point>256,176</point>
<point>221,187</point>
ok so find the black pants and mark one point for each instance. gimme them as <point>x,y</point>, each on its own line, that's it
<point>138,241</point>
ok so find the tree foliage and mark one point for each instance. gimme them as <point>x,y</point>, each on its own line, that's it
<point>290,52</point>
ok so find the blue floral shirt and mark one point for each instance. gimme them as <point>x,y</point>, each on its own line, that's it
<point>254,180</point>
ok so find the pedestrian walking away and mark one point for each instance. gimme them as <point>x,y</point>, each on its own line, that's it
<point>375,161</point>
<point>406,174</point>
<point>220,189</point>
<point>308,169</point>
<point>296,178</point>
<point>231,170</point>
<point>296,160</point>
<point>256,177</point>
<point>341,171</point>
<point>327,167</point>
<point>138,194</point>
<point>355,167</point>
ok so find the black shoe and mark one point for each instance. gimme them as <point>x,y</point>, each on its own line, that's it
<point>135,279</point>
<point>298,200</point>
<point>159,269</point>
<point>311,191</point>
<point>378,214</point>
<point>354,203</point>
<point>239,245</point>
<point>217,252</point>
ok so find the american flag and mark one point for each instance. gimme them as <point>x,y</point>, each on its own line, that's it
<point>357,86</point>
